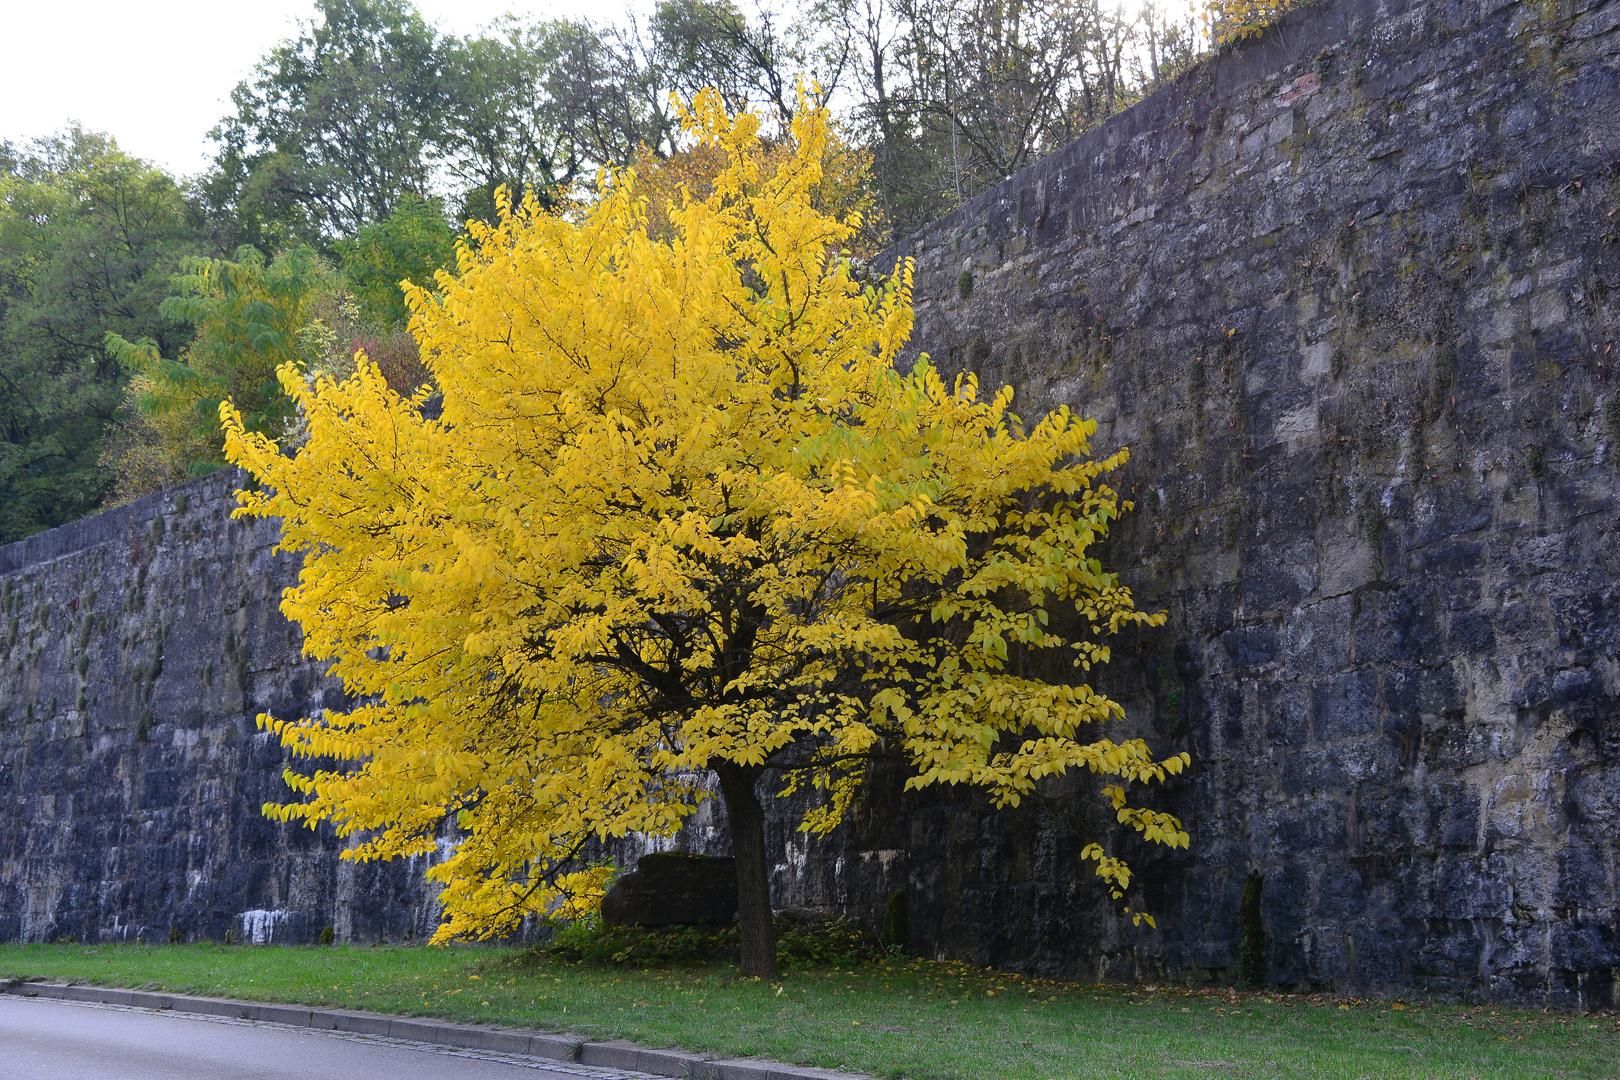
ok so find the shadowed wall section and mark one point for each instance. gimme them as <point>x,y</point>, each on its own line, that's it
<point>137,648</point>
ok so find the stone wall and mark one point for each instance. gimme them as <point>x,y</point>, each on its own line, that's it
<point>1346,293</point>
<point>136,648</point>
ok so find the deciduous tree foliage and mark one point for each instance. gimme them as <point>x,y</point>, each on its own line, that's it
<point>89,238</point>
<point>333,128</point>
<point>681,515</point>
<point>252,317</point>
<point>413,243</point>
<point>1232,21</point>
<point>368,104</point>
<point>954,96</point>
<point>248,315</point>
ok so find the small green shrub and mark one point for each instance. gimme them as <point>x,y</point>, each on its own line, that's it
<point>175,936</point>
<point>833,943</point>
<point>964,284</point>
<point>328,935</point>
<point>1535,459</point>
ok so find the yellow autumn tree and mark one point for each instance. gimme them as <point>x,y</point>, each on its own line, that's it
<point>681,516</point>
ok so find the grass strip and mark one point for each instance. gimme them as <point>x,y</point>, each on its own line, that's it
<point>893,1018</point>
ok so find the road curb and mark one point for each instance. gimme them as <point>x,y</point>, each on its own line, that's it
<point>616,1054</point>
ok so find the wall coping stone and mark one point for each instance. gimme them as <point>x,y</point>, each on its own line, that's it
<point>109,525</point>
<point>553,1046</point>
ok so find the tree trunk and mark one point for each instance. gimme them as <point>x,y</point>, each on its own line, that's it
<point>756,931</point>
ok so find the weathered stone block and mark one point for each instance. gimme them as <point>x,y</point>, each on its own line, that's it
<point>673,889</point>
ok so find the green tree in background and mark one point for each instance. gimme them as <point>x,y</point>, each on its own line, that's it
<point>954,96</point>
<point>251,317</point>
<point>89,238</point>
<point>366,311</point>
<point>711,44</point>
<point>333,129</point>
<point>411,244</point>
<point>510,111</point>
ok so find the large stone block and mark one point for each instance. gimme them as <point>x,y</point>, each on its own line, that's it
<point>674,889</point>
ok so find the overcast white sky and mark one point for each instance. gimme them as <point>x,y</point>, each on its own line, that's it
<point>157,74</point>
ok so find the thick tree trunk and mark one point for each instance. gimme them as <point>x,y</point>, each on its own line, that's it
<point>756,931</point>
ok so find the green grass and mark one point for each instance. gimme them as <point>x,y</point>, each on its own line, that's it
<point>900,1017</point>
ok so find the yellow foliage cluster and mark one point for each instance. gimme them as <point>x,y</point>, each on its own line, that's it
<point>680,512</point>
<point>844,190</point>
<point>1233,20</point>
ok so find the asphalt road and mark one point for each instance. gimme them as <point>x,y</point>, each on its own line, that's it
<point>41,1039</point>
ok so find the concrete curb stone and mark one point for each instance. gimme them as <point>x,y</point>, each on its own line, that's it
<point>622,1054</point>
<point>614,1054</point>
<point>754,1069</point>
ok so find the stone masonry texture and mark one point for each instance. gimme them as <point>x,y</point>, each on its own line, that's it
<point>1348,293</point>
<point>136,649</point>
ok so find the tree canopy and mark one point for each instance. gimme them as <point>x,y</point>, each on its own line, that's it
<point>89,238</point>
<point>681,516</point>
<point>254,316</point>
<point>369,104</point>
<point>335,126</point>
<point>248,315</point>
<point>413,243</point>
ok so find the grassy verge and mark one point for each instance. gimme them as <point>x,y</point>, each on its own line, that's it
<point>891,1018</point>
